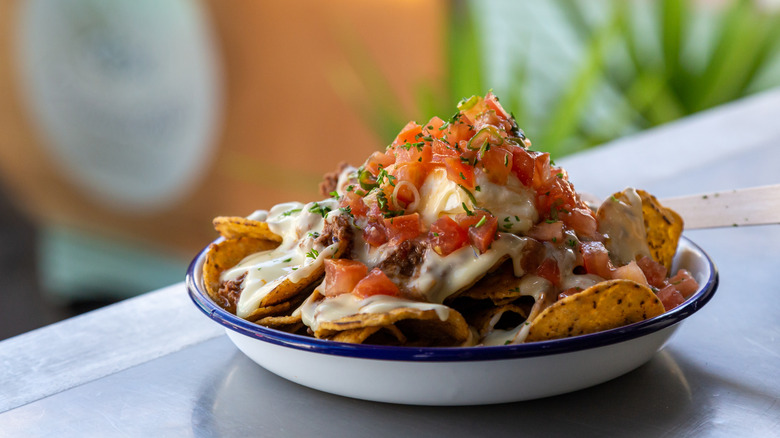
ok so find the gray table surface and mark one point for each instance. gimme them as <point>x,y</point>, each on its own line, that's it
<point>154,365</point>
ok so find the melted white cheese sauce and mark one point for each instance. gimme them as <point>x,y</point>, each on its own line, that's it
<point>340,306</point>
<point>294,259</point>
<point>513,205</point>
<point>441,276</point>
<point>622,222</point>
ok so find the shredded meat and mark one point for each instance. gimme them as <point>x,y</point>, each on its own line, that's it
<point>330,180</point>
<point>338,230</point>
<point>405,260</point>
<point>229,292</point>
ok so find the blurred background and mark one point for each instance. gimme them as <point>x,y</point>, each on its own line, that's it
<point>127,125</point>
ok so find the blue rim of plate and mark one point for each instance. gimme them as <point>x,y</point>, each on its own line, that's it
<point>450,354</point>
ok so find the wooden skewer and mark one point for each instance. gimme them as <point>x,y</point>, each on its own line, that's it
<point>730,208</point>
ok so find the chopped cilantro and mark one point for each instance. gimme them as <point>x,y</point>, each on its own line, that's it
<point>319,209</point>
<point>289,212</point>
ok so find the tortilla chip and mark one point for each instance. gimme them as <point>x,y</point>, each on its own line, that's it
<point>233,227</point>
<point>378,335</point>
<point>288,289</point>
<point>419,327</point>
<point>663,226</point>
<point>289,323</point>
<point>499,286</point>
<point>226,254</point>
<point>276,310</point>
<point>603,306</point>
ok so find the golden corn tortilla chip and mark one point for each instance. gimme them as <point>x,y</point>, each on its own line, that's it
<point>288,289</point>
<point>377,335</point>
<point>663,226</point>
<point>289,323</point>
<point>499,286</point>
<point>276,310</point>
<point>603,306</point>
<point>419,327</point>
<point>233,227</point>
<point>226,254</point>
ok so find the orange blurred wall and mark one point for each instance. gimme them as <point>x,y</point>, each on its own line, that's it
<point>289,112</point>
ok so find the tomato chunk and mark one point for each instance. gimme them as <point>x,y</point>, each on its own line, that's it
<point>459,172</point>
<point>377,161</point>
<point>523,164</point>
<point>433,128</point>
<point>354,203</point>
<point>550,231</point>
<point>374,233</point>
<point>596,259</point>
<point>341,276</point>
<point>684,282</point>
<point>497,164</point>
<point>483,233</point>
<point>670,297</point>
<point>410,133</point>
<point>447,236</point>
<point>654,271</point>
<point>376,283</point>
<point>549,270</point>
<point>402,228</point>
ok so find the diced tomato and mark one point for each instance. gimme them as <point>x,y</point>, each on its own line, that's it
<point>497,163</point>
<point>459,172</point>
<point>684,282</point>
<point>583,222</point>
<point>670,297</point>
<point>549,231</point>
<point>411,133</point>
<point>402,228</point>
<point>341,276</point>
<point>596,259</point>
<point>549,270</point>
<point>374,233</point>
<point>433,128</point>
<point>480,226</point>
<point>456,132</point>
<point>442,150</point>
<point>492,102</point>
<point>523,164</point>
<point>483,233</point>
<point>355,203</point>
<point>414,173</point>
<point>559,195</point>
<point>375,283</point>
<point>632,272</point>
<point>654,271</point>
<point>378,160</point>
<point>447,236</point>
<point>542,175</point>
<point>420,154</point>
<point>491,118</point>
<point>473,107</point>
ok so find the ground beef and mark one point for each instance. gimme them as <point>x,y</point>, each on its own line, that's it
<point>338,229</point>
<point>405,260</point>
<point>229,292</point>
<point>330,181</point>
